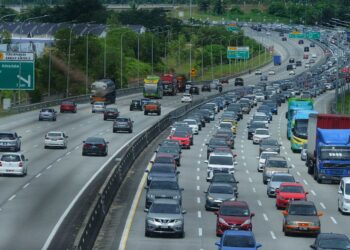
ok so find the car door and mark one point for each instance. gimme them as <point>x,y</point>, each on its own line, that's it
<point>341,193</point>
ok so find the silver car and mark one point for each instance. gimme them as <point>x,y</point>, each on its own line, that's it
<point>275,182</point>
<point>165,216</point>
<point>46,114</point>
<point>303,154</point>
<point>163,189</point>
<point>98,107</point>
<point>274,164</point>
<point>10,141</point>
<point>55,139</point>
<point>218,193</point>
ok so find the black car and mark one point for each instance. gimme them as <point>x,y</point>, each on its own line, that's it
<point>216,143</point>
<point>239,81</point>
<point>269,145</point>
<point>194,90</point>
<point>206,87</point>
<point>110,113</point>
<point>331,241</point>
<point>284,38</point>
<point>136,105</point>
<point>95,146</point>
<point>226,178</point>
<point>298,63</point>
<point>123,124</point>
<point>301,42</point>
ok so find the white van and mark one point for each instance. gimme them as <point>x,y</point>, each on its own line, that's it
<point>344,195</point>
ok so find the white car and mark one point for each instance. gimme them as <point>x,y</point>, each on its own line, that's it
<point>258,72</point>
<point>13,164</point>
<point>220,162</point>
<point>314,56</point>
<point>98,107</point>
<point>292,73</point>
<point>56,139</point>
<point>262,159</point>
<point>192,123</point>
<point>260,97</point>
<point>259,134</point>
<point>271,72</point>
<point>307,65</point>
<point>344,195</point>
<point>186,97</point>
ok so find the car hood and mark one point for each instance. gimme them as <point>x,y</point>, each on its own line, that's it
<point>164,216</point>
<point>302,218</point>
<point>235,219</point>
<point>163,192</point>
<point>221,197</point>
<point>275,184</point>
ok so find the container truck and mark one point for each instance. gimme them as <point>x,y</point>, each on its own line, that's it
<point>181,83</point>
<point>299,129</point>
<point>169,84</point>
<point>295,104</point>
<point>103,90</point>
<point>277,60</point>
<point>328,148</point>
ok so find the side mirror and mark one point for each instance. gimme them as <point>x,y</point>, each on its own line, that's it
<point>235,155</point>
<point>146,210</point>
<point>83,141</point>
<point>177,172</point>
<point>207,144</point>
<point>217,243</point>
<point>216,212</point>
<point>205,192</point>
<point>146,171</point>
<point>107,142</point>
<point>67,136</point>
<point>132,121</point>
<point>313,246</point>
<point>19,136</point>
<point>258,157</point>
<point>252,214</point>
<point>26,160</point>
<point>340,192</point>
<point>306,192</point>
<point>151,162</point>
<point>285,212</point>
<point>182,189</point>
<point>206,161</point>
<point>277,191</point>
<point>146,188</point>
<point>258,245</point>
<point>183,211</point>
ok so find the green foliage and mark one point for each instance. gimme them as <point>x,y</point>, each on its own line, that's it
<point>203,5</point>
<point>236,11</point>
<point>218,8</point>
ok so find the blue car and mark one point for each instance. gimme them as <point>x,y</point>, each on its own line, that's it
<point>237,240</point>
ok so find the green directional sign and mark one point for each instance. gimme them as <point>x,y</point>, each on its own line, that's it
<point>313,35</point>
<point>232,27</point>
<point>297,35</point>
<point>238,52</point>
<point>17,71</point>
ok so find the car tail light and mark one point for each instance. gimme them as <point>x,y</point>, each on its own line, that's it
<point>87,145</point>
<point>101,146</point>
<point>20,164</point>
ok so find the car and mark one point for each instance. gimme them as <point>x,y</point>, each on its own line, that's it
<point>13,164</point>
<point>215,143</point>
<point>226,134</point>
<point>259,134</point>
<point>224,81</point>
<point>233,215</point>
<point>344,195</point>
<point>301,217</point>
<point>152,106</point>
<point>271,72</point>
<point>262,159</point>
<point>228,125</point>
<point>110,113</point>
<point>144,101</point>
<point>98,107</point>
<point>165,217</point>
<point>314,55</point>
<point>163,188</point>
<point>326,241</point>
<point>182,137</point>
<point>186,97</point>
<point>307,65</point>
<point>311,61</point>
<point>274,164</point>
<point>136,105</point>
<point>292,73</point>
<point>263,78</point>
<point>237,239</point>
<point>284,38</point>
<point>301,42</point>
<point>172,150</point>
<point>239,81</point>
<point>68,106</point>
<point>218,193</point>
<point>220,162</point>
<point>289,67</point>
<point>298,63</point>
<point>306,49</point>
<point>289,191</point>
<point>164,159</point>
<point>184,128</point>
<point>312,45</point>
<point>252,126</point>
<point>258,72</point>
<point>275,182</point>
<point>226,178</point>
<point>194,90</point>
<point>123,124</point>
<point>206,87</point>
<point>269,144</point>
<point>48,114</point>
<point>305,56</point>
<point>95,146</point>
<point>10,141</point>
<point>192,123</point>
<point>291,60</point>
<point>303,154</point>
<point>56,139</point>
<point>171,143</point>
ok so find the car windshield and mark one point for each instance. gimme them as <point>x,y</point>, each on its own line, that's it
<point>54,134</point>
<point>122,120</point>
<point>219,142</point>
<point>292,189</point>
<point>159,208</point>
<point>335,153</point>
<point>221,160</point>
<point>46,110</point>
<point>180,134</point>
<point>260,118</point>
<point>67,103</point>
<point>94,140</point>
<point>269,143</point>
<point>225,125</point>
<point>135,102</point>
<point>164,160</point>
<point>347,189</point>
<point>99,103</point>
<point>111,110</point>
<point>238,241</point>
<point>261,132</point>
<point>277,164</point>
<point>5,136</point>
<point>223,178</point>
<point>221,190</point>
<point>169,185</point>
<point>335,243</point>
<point>234,211</point>
<point>306,210</point>
<point>10,158</point>
<point>282,178</point>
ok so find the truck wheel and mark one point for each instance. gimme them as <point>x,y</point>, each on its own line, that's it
<point>146,113</point>
<point>310,170</point>
<point>159,112</point>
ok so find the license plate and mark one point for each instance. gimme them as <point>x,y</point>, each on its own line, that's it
<point>164,227</point>
<point>303,228</point>
<point>9,170</point>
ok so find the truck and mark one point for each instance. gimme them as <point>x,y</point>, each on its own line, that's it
<point>169,84</point>
<point>328,148</point>
<point>277,60</point>
<point>103,90</point>
<point>299,129</point>
<point>295,104</point>
<point>152,107</point>
<point>181,83</point>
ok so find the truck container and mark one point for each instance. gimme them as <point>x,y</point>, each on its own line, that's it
<point>181,83</point>
<point>328,148</point>
<point>169,84</point>
<point>277,60</point>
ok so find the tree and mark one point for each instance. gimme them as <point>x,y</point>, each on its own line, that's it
<point>204,5</point>
<point>218,8</point>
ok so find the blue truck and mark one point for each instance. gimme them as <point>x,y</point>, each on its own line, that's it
<point>328,148</point>
<point>277,60</point>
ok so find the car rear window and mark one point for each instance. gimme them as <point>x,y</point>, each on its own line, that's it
<point>164,160</point>
<point>169,185</point>
<point>238,241</point>
<point>221,160</point>
<point>277,164</point>
<point>165,208</point>
<point>94,140</point>
<point>67,103</point>
<point>53,134</point>
<point>122,119</point>
<point>5,136</point>
<point>10,158</point>
<point>300,209</point>
<point>292,189</point>
<point>234,211</point>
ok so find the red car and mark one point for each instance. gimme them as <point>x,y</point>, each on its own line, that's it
<point>233,215</point>
<point>68,106</point>
<point>289,191</point>
<point>183,137</point>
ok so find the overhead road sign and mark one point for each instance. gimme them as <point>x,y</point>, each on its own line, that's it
<point>316,35</point>
<point>17,71</point>
<point>238,52</point>
<point>296,34</point>
<point>232,27</point>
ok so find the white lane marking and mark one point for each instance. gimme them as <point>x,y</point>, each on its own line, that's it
<point>242,141</point>
<point>242,151</point>
<point>198,188</point>
<point>38,175</point>
<point>243,157</point>
<point>322,205</point>
<point>203,144</point>
<point>199,162</point>
<point>12,197</point>
<point>198,169</point>
<point>200,155</point>
<point>247,171</point>
<point>59,159</point>
<point>207,135</point>
<point>242,146</point>
<point>77,147</point>
<point>200,232</point>
<point>26,185</point>
<point>254,190</point>
<point>273,236</point>
<point>288,159</point>
<point>334,221</point>
<point>259,203</point>
<point>285,152</point>
<point>28,131</point>
<point>198,200</point>
<point>298,173</point>
<point>283,147</point>
<point>244,164</point>
<point>250,180</point>
<point>68,153</point>
<point>201,149</point>
<point>205,139</point>
<point>313,192</point>
<point>305,182</point>
<point>199,213</point>
<point>293,166</point>
<point>265,217</point>
<point>198,177</point>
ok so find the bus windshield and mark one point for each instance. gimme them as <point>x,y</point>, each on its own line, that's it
<point>300,128</point>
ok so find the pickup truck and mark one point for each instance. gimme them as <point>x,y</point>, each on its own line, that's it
<point>152,107</point>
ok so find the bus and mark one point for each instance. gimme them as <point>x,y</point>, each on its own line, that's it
<point>295,104</point>
<point>153,87</point>
<point>299,125</point>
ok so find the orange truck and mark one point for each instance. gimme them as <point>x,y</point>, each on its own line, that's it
<point>152,107</point>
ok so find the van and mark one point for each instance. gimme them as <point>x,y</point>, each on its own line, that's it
<point>344,195</point>
<point>239,81</point>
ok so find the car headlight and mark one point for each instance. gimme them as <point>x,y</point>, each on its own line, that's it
<point>210,169</point>
<point>247,222</point>
<point>292,223</point>
<point>210,198</point>
<point>222,221</point>
<point>178,221</point>
<point>347,200</point>
<point>150,220</point>
<point>175,197</point>
<point>233,199</point>
<point>151,196</point>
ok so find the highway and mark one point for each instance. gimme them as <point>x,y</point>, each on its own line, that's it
<point>199,224</point>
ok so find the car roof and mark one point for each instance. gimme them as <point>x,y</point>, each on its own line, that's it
<point>11,153</point>
<point>167,155</point>
<point>224,154</point>
<point>239,232</point>
<point>332,236</point>
<point>346,180</point>
<point>220,184</point>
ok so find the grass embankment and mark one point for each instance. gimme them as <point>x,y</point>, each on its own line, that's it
<point>343,109</point>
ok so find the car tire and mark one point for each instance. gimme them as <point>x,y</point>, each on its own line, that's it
<point>54,119</point>
<point>45,147</point>
<point>145,113</point>
<point>265,182</point>
<point>130,131</point>
<point>181,235</point>
<point>159,112</point>
<point>147,234</point>
<point>104,118</point>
